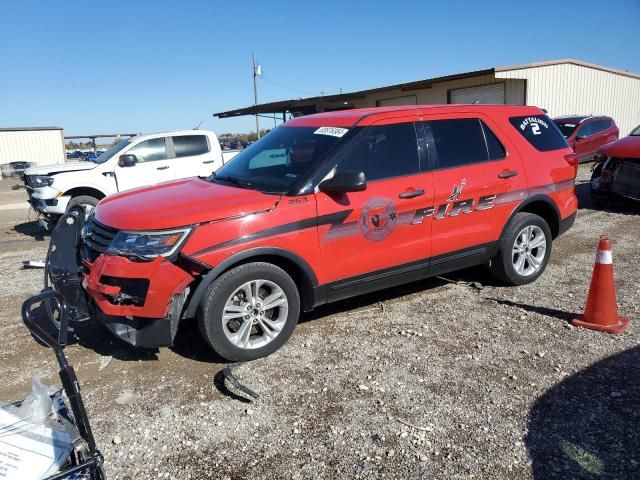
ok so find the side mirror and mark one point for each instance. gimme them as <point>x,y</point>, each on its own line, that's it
<point>127,160</point>
<point>344,182</point>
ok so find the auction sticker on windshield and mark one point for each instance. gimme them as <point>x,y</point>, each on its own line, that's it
<point>333,131</point>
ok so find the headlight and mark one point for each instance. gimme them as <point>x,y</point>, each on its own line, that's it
<point>38,181</point>
<point>148,244</point>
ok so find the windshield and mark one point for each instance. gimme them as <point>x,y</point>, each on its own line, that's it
<point>278,160</point>
<point>111,152</point>
<point>566,128</point>
<point>636,132</point>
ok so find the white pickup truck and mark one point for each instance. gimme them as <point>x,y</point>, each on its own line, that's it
<point>139,161</point>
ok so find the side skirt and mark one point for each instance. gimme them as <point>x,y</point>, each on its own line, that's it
<point>406,273</point>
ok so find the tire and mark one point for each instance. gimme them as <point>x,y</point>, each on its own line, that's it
<point>229,293</point>
<point>504,266</point>
<point>82,201</point>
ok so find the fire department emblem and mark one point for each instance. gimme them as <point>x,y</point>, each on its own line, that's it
<point>378,219</point>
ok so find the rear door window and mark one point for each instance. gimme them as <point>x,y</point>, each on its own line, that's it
<point>459,142</point>
<point>494,147</point>
<point>190,145</point>
<point>600,125</point>
<point>540,131</point>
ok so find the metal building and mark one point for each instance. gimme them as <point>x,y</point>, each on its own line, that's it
<point>37,145</point>
<point>562,87</point>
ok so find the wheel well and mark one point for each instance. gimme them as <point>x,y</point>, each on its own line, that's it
<point>301,279</point>
<point>92,192</point>
<point>545,210</point>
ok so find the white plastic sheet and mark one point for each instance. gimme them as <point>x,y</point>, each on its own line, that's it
<point>33,444</point>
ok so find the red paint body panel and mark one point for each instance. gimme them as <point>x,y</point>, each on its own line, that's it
<point>176,204</point>
<point>627,147</point>
<point>338,235</point>
<point>166,280</point>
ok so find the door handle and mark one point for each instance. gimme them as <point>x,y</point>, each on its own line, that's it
<point>162,168</point>
<point>208,161</point>
<point>508,174</point>
<point>411,193</point>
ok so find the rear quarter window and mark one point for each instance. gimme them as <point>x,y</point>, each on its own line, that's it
<point>540,131</point>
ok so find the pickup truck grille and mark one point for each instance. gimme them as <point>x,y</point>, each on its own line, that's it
<point>96,240</point>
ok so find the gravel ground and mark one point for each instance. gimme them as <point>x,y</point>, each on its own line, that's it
<point>437,379</point>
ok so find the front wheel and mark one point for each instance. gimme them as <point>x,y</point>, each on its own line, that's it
<point>85,202</point>
<point>524,250</point>
<point>249,312</point>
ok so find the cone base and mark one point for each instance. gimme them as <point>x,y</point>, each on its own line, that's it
<point>616,328</point>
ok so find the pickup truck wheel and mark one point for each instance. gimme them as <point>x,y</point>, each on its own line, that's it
<point>524,250</point>
<point>85,201</point>
<point>249,311</point>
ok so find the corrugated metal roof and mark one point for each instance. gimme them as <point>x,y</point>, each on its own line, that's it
<point>571,61</point>
<point>299,104</point>
<point>307,105</point>
<point>27,129</point>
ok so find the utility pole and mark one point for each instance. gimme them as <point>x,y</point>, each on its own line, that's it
<point>257,70</point>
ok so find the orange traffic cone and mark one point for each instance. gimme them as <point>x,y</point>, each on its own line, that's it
<point>601,311</point>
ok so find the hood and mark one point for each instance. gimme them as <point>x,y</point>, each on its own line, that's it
<point>183,202</point>
<point>627,147</point>
<point>59,168</point>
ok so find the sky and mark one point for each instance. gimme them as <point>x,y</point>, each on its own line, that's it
<point>143,66</point>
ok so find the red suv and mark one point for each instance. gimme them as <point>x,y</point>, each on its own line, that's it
<point>325,207</point>
<point>587,134</point>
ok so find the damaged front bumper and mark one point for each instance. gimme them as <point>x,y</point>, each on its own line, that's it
<point>620,177</point>
<point>139,302</point>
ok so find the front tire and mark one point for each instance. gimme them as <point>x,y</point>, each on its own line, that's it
<point>249,312</point>
<point>524,250</point>
<point>86,202</point>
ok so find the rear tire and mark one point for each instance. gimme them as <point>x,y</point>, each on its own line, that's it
<point>524,250</point>
<point>250,330</point>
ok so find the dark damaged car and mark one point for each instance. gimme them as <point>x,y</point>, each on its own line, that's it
<point>617,168</point>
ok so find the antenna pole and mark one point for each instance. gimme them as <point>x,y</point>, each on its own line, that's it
<point>255,93</point>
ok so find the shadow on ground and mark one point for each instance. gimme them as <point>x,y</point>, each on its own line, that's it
<point>604,203</point>
<point>549,312</point>
<point>92,335</point>
<point>32,229</point>
<point>588,426</point>
<point>189,342</point>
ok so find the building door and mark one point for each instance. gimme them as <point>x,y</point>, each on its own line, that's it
<point>492,94</point>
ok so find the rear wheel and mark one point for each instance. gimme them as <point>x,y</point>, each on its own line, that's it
<point>249,312</point>
<point>524,250</point>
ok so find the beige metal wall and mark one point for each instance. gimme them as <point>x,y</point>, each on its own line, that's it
<point>41,147</point>
<point>566,89</point>
<point>437,93</point>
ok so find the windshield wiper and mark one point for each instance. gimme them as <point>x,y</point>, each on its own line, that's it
<point>237,181</point>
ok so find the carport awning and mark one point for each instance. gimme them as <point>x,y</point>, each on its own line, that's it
<point>309,105</point>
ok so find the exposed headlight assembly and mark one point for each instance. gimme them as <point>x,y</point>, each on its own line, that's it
<point>149,245</point>
<point>37,181</point>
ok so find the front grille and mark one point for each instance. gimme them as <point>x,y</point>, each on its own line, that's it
<point>96,239</point>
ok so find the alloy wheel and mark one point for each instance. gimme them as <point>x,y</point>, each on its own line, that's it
<point>255,314</point>
<point>529,250</point>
